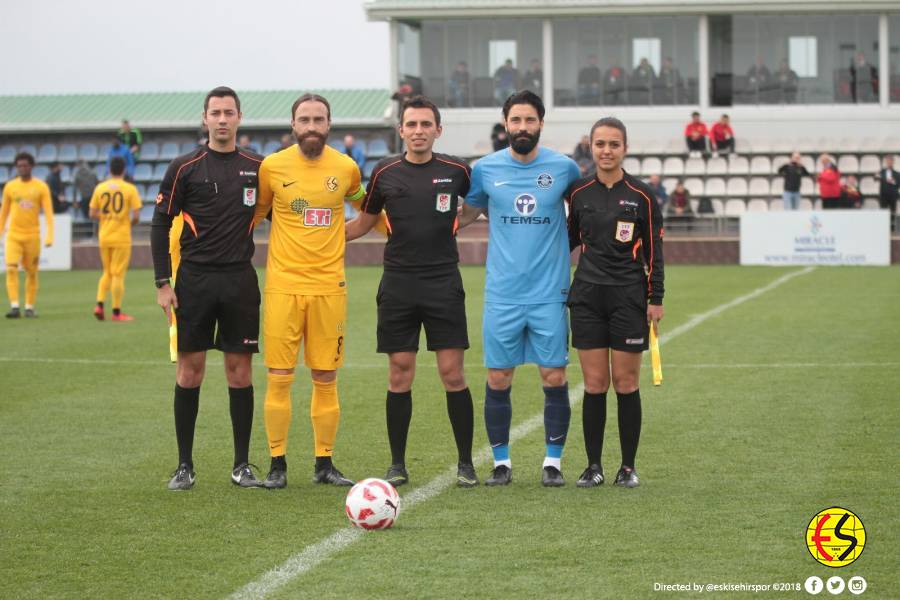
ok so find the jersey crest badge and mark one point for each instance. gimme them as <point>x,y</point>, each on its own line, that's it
<point>249,196</point>
<point>331,184</point>
<point>624,231</point>
<point>545,180</point>
<point>443,203</point>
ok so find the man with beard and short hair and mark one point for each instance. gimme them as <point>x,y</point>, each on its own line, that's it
<point>305,186</point>
<point>521,189</point>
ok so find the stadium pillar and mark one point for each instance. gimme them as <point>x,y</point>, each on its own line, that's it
<point>884,70</point>
<point>547,60</point>
<point>703,74</point>
<point>394,54</point>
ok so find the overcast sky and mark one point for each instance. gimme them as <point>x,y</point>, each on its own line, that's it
<point>76,46</point>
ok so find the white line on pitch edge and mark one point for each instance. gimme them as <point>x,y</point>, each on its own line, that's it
<point>311,556</point>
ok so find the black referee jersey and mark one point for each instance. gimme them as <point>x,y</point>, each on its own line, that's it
<point>620,233</point>
<point>420,201</point>
<point>216,194</point>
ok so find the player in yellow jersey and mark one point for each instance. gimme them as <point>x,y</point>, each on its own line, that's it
<point>305,186</point>
<point>116,204</point>
<point>23,199</point>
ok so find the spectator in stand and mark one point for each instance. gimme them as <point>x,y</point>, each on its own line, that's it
<point>829,183</point>
<point>401,95</point>
<point>57,189</point>
<point>759,78</point>
<point>583,156</point>
<point>286,141</point>
<point>614,84</point>
<point>120,149</point>
<point>788,82</point>
<point>589,77</point>
<point>459,85</point>
<point>132,138</point>
<point>534,78</point>
<point>245,142</point>
<point>669,84</point>
<point>721,136</point>
<point>889,188</point>
<point>641,82</point>
<point>793,172</point>
<point>850,196</point>
<point>202,135</point>
<point>506,81</point>
<point>499,137</point>
<point>85,181</point>
<point>659,190</point>
<point>863,79</point>
<point>354,151</point>
<point>695,136</point>
<point>680,201</point>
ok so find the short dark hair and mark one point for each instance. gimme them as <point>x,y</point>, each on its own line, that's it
<point>611,122</point>
<point>310,98</point>
<point>222,92</point>
<point>421,101</point>
<point>116,165</point>
<point>24,156</point>
<point>695,114</point>
<point>524,97</point>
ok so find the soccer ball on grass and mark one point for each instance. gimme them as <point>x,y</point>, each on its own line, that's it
<point>372,504</point>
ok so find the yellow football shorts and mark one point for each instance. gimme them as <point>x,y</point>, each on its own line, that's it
<point>115,259</point>
<point>23,250</point>
<point>317,320</point>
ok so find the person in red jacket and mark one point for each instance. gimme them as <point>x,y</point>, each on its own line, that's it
<point>721,136</point>
<point>695,135</point>
<point>829,183</point>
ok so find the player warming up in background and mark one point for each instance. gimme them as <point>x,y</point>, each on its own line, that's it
<point>116,204</point>
<point>23,199</point>
<point>421,285</point>
<point>305,186</point>
<point>216,296</point>
<point>527,279</point>
<point>616,292</point>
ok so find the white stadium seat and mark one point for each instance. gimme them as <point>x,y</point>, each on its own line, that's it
<point>669,183</point>
<point>871,204</point>
<point>806,187</point>
<point>776,205</point>
<point>673,166</point>
<point>869,163</point>
<point>715,186</point>
<point>716,166</point>
<point>632,165</point>
<point>718,207</point>
<point>848,163</point>
<point>694,166</point>
<point>738,165</point>
<point>737,186</point>
<point>868,186</point>
<point>778,161</point>
<point>735,207</point>
<point>757,205</point>
<point>805,204</point>
<point>760,165</point>
<point>651,166</point>
<point>777,186</point>
<point>807,161</point>
<point>759,186</point>
<point>694,185</point>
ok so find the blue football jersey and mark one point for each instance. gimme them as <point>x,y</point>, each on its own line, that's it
<point>528,247</point>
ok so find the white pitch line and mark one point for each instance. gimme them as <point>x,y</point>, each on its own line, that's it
<point>308,558</point>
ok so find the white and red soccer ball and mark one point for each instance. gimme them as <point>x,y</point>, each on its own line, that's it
<point>372,504</point>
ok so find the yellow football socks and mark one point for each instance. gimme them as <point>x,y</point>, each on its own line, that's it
<point>278,412</point>
<point>325,413</point>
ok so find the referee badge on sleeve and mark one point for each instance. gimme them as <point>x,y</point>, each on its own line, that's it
<point>249,196</point>
<point>624,231</point>
<point>443,202</point>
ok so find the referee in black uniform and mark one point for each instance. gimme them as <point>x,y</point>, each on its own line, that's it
<point>421,286</point>
<point>216,296</point>
<point>616,293</point>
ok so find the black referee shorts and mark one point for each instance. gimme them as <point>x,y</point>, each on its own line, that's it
<point>408,300</point>
<point>217,308</point>
<point>606,316</point>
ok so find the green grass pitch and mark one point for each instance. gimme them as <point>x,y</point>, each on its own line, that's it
<point>771,410</point>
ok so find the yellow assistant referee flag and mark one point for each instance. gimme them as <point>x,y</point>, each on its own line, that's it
<point>655,360</point>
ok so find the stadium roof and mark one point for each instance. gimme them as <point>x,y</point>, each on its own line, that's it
<point>179,110</point>
<point>418,9</point>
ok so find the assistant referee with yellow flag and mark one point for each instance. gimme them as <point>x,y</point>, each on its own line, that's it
<point>616,293</point>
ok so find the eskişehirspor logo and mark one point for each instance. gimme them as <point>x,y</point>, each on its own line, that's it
<point>835,537</point>
<point>525,204</point>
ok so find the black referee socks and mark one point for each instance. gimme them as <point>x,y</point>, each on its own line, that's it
<point>187,404</point>
<point>241,405</point>
<point>460,411</point>
<point>398,408</point>
<point>593,420</point>
<point>629,425</point>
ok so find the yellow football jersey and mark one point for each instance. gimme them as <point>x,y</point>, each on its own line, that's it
<point>22,201</point>
<point>306,246</point>
<point>116,199</point>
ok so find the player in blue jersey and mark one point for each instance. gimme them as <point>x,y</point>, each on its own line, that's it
<point>521,190</point>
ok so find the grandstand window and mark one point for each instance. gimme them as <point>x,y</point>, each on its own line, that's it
<point>482,47</point>
<point>598,60</point>
<point>788,59</point>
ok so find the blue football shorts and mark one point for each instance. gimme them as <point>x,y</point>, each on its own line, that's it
<point>516,334</point>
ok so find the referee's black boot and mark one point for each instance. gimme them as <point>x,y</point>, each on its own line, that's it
<point>277,477</point>
<point>627,477</point>
<point>13,313</point>
<point>183,478</point>
<point>397,475</point>
<point>465,475</point>
<point>552,477</point>
<point>243,476</point>
<point>592,477</point>
<point>501,475</point>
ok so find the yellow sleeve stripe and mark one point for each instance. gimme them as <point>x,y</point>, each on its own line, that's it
<point>359,193</point>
